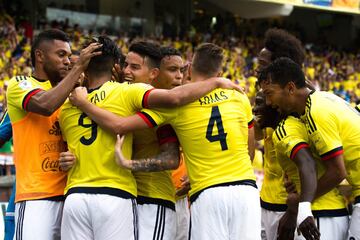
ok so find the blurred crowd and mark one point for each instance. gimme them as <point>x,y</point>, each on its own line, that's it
<point>326,68</point>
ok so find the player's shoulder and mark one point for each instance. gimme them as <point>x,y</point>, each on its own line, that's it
<point>291,126</point>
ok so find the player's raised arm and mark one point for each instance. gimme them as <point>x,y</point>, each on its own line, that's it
<point>46,102</point>
<point>167,159</point>
<point>188,93</point>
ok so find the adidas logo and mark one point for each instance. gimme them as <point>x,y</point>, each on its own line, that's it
<point>55,129</point>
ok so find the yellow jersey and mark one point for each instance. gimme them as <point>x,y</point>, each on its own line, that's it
<point>152,187</point>
<point>357,107</point>
<point>213,132</point>
<point>37,143</point>
<point>291,136</point>
<point>95,170</point>
<point>273,194</point>
<point>333,128</point>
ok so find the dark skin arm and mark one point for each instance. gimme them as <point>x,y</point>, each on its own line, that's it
<point>47,102</point>
<point>167,159</point>
<point>335,173</point>
<point>307,171</point>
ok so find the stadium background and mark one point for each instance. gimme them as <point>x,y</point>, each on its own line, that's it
<point>329,30</point>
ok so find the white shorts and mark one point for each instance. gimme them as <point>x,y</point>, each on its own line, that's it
<point>226,212</point>
<point>270,222</point>
<point>38,220</point>
<point>156,222</point>
<point>182,219</point>
<point>98,217</point>
<point>331,228</point>
<point>354,229</point>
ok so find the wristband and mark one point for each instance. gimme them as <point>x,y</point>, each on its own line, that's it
<point>304,211</point>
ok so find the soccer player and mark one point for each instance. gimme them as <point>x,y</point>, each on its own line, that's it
<point>277,43</point>
<point>33,104</point>
<point>216,135</point>
<point>95,179</point>
<point>156,193</point>
<point>331,125</point>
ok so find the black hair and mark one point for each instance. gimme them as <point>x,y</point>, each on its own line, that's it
<point>169,51</point>
<point>148,50</point>
<point>47,35</point>
<point>110,54</point>
<point>282,71</point>
<point>282,44</point>
<point>208,59</point>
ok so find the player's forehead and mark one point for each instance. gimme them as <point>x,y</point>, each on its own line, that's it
<point>55,46</point>
<point>134,58</point>
<point>173,60</point>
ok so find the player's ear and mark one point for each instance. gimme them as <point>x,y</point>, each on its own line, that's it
<point>154,73</point>
<point>39,56</point>
<point>291,87</point>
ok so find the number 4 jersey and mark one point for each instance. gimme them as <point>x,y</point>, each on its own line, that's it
<point>95,170</point>
<point>213,132</point>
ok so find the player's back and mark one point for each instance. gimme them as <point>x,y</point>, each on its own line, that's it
<point>93,147</point>
<point>213,132</point>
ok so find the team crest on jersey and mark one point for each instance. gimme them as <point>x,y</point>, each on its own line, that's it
<point>25,85</point>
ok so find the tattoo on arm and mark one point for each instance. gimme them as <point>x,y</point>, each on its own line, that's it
<point>167,159</point>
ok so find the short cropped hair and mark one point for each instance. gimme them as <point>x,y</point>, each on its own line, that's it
<point>47,35</point>
<point>110,54</point>
<point>208,59</point>
<point>282,71</point>
<point>148,50</point>
<point>169,51</point>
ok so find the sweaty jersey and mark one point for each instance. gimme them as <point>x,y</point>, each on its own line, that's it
<point>37,143</point>
<point>333,128</point>
<point>213,132</point>
<point>273,193</point>
<point>290,136</point>
<point>154,185</point>
<point>95,170</point>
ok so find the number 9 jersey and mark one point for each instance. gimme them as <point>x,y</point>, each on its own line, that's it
<point>213,132</point>
<point>95,167</point>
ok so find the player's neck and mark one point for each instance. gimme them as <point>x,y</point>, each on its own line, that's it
<point>197,77</point>
<point>302,96</point>
<point>95,82</point>
<point>38,74</point>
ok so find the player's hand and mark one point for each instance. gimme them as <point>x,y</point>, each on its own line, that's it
<point>227,84</point>
<point>117,73</point>
<point>78,96</point>
<point>66,161</point>
<point>87,53</point>
<point>309,229</point>
<point>287,226</point>
<point>185,186</point>
<point>120,159</point>
<point>289,185</point>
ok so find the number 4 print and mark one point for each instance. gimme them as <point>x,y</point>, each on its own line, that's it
<point>221,136</point>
